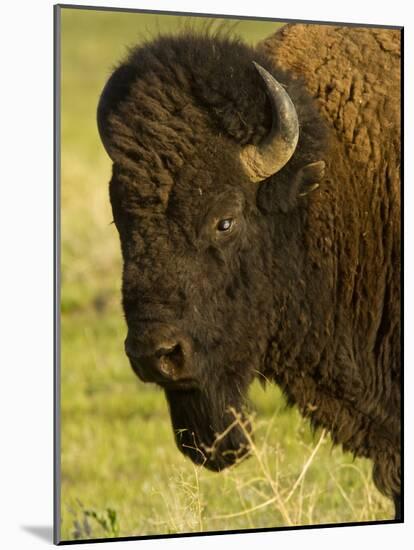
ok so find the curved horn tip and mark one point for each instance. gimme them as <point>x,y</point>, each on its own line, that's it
<point>264,160</point>
<point>261,70</point>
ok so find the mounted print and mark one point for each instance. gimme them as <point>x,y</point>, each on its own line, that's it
<point>228,273</point>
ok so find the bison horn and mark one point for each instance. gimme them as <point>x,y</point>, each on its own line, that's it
<point>274,152</point>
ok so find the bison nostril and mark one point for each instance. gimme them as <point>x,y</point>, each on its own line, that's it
<point>166,350</point>
<point>171,359</point>
<point>173,354</point>
<point>157,355</point>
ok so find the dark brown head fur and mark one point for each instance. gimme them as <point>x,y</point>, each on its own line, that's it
<point>179,111</point>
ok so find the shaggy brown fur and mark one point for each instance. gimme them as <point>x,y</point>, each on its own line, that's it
<point>354,226</point>
<point>305,289</point>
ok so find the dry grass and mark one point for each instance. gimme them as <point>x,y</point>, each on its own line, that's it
<point>288,498</point>
<point>290,478</point>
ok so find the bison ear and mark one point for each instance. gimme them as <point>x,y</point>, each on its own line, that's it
<point>307,179</point>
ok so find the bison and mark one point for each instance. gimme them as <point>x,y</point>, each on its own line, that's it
<point>256,196</point>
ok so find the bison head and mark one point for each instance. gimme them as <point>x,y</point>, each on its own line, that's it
<point>193,127</point>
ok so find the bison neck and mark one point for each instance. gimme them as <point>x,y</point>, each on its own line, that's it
<point>342,368</point>
<point>335,346</point>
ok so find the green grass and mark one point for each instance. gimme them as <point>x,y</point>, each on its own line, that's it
<point>121,472</point>
<point>118,452</point>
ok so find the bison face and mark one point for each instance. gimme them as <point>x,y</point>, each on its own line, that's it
<point>191,144</point>
<point>197,298</point>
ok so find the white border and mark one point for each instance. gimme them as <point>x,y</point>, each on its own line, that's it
<point>26,229</point>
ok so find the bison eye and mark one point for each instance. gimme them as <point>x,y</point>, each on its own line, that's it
<point>225,225</point>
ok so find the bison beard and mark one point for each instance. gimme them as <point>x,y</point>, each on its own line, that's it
<point>210,428</point>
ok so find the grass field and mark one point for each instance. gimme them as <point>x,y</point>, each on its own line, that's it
<point>121,472</point>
